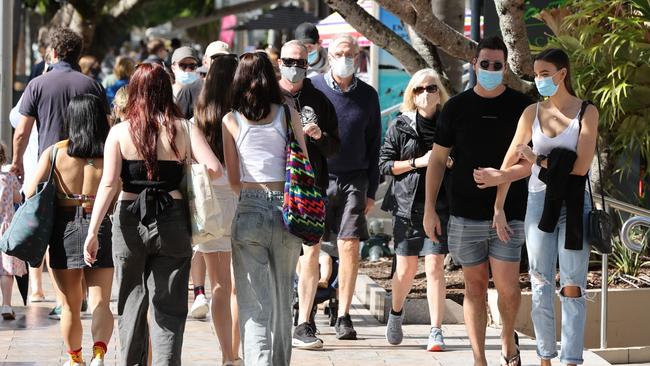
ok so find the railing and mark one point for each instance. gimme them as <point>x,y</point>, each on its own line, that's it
<point>390,110</point>
<point>641,218</point>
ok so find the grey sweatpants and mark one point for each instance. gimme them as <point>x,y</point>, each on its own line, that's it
<point>152,263</point>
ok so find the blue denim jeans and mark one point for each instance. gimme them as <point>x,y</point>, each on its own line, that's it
<point>544,249</point>
<point>264,257</point>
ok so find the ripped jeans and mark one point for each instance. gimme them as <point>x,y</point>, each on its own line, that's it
<point>544,249</point>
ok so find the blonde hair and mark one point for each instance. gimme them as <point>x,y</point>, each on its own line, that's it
<point>87,64</point>
<point>119,102</point>
<point>408,105</point>
<point>124,67</point>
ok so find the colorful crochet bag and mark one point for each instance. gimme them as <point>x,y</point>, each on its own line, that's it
<point>304,206</point>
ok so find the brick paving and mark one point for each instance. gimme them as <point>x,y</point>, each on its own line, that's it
<point>33,339</point>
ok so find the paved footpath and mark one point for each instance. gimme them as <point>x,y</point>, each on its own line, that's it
<point>33,339</point>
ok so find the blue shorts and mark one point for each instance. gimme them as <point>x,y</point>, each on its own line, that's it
<point>473,242</point>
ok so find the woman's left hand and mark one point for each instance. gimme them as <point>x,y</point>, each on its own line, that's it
<point>525,152</point>
<point>90,249</point>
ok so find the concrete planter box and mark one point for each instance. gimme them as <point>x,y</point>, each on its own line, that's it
<point>416,311</point>
<point>628,322</point>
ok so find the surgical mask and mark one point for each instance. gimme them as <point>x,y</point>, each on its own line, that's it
<point>489,80</point>
<point>186,77</point>
<point>343,66</point>
<point>546,86</point>
<point>424,99</point>
<point>294,74</point>
<point>312,56</point>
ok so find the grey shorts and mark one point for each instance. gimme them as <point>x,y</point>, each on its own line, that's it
<point>346,205</point>
<point>472,242</point>
<point>410,239</point>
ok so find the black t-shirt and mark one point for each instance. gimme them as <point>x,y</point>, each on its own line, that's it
<point>480,131</point>
<point>187,97</point>
<point>46,98</point>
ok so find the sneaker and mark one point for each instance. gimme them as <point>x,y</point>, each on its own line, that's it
<point>238,362</point>
<point>7,312</point>
<point>55,313</point>
<point>436,341</point>
<point>200,307</point>
<point>71,363</point>
<point>344,328</point>
<point>394,334</point>
<point>305,338</point>
<point>97,362</point>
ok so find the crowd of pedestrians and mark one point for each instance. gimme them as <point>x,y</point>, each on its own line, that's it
<point>455,165</point>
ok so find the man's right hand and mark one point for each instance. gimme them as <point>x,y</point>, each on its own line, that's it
<point>17,169</point>
<point>431,223</point>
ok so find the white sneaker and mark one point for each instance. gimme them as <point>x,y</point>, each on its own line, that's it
<point>97,362</point>
<point>7,312</point>
<point>70,363</point>
<point>200,307</point>
<point>238,362</point>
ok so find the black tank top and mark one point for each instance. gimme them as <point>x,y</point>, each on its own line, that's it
<point>134,176</point>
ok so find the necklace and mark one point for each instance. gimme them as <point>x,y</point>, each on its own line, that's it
<point>90,162</point>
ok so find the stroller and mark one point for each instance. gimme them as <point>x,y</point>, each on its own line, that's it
<point>328,294</point>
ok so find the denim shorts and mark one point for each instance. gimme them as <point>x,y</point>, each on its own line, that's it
<point>410,239</point>
<point>472,242</point>
<point>68,236</point>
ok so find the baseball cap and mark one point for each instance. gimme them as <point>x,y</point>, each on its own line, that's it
<point>184,52</point>
<point>217,47</point>
<point>307,33</point>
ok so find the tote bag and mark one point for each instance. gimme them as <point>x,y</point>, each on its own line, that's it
<point>205,213</point>
<point>303,210</point>
<point>30,230</point>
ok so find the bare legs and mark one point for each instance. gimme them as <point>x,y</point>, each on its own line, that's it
<point>7,284</point>
<point>218,265</point>
<point>348,270</point>
<point>307,281</point>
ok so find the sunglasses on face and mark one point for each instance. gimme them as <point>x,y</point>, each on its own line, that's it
<point>290,62</point>
<point>429,88</point>
<point>191,66</point>
<point>496,65</point>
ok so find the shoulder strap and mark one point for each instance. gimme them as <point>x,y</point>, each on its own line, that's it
<point>55,150</point>
<point>188,140</point>
<point>287,119</point>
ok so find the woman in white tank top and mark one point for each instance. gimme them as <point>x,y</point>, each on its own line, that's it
<point>553,123</point>
<point>264,254</point>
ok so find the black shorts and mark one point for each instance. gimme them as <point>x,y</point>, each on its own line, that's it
<point>68,237</point>
<point>346,205</point>
<point>410,239</point>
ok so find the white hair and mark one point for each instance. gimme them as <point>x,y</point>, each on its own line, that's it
<point>343,38</point>
<point>294,43</point>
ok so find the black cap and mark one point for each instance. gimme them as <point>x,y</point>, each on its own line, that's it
<point>307,33</point>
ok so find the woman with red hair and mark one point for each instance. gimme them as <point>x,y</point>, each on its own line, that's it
<point>151,233</point>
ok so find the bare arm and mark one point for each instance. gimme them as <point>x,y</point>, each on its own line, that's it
<point>110,182</point>
<point>586,141</point>
<point>21,138</point>
<point>230,129</point>
<point>41,173</point>
<point>435,173</point>
<point>203,154</point>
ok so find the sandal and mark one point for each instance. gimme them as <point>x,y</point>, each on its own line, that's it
<point>512,361</point>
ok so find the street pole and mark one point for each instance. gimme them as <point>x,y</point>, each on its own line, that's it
<point>476,7</point>
<point>6,77</point>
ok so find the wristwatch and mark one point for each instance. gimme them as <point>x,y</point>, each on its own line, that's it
<point>540,158</point>
<point>413,163</point>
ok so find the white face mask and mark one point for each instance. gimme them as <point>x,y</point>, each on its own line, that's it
<point>343,66</point>
<point>425,100</point>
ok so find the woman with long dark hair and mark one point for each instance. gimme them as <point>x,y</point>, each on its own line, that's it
<point>563,130</point>
<point>78,168</point>
<point>151,233</point>
<point>213,104</point>
<point>264,253</point>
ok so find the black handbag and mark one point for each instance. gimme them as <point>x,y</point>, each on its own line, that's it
<point>599,222</point>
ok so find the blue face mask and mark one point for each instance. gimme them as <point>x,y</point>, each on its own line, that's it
<point>312,56</point>
<point>185,78</point>
<point>546,86</point>
<point>489,80</point>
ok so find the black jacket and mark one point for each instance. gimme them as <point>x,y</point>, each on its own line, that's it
<point>403,143</point>
<point>314,106</point>
<point>563,188</point>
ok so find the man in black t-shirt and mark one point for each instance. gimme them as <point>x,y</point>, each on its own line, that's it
<point>479,125</point>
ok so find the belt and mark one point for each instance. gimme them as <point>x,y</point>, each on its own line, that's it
<point>150,203</point>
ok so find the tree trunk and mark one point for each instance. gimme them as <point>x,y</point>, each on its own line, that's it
<point>379,34</point>
<point>430,54</point>
<point>515,36</point>
<point>452,12</point>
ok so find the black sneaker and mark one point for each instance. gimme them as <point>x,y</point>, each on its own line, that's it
<point>344,328</point>
<point>304,337</point>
